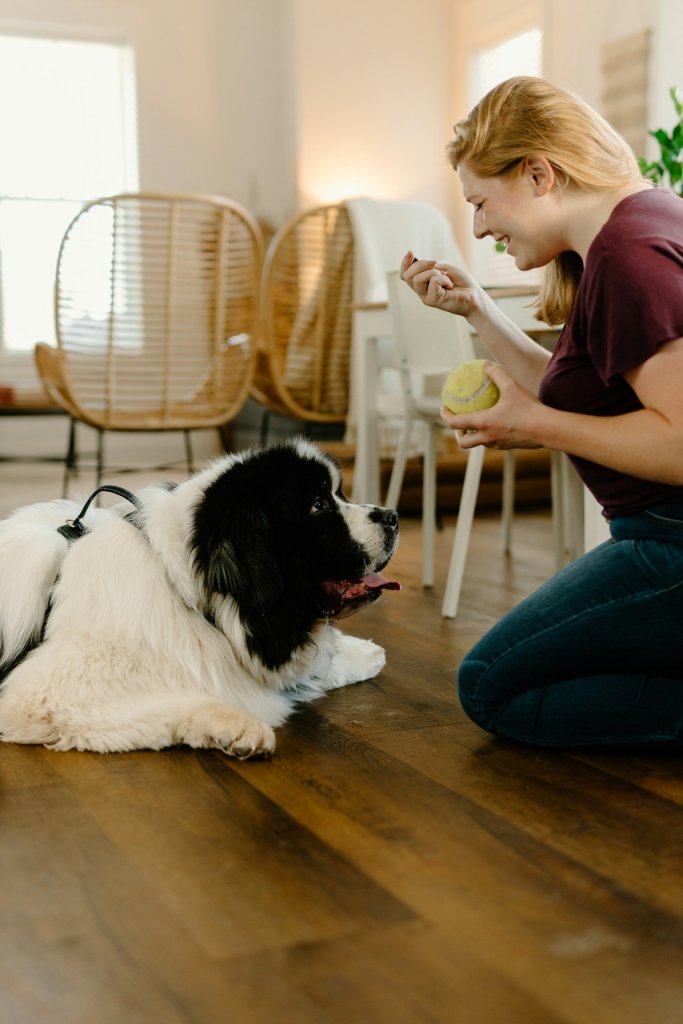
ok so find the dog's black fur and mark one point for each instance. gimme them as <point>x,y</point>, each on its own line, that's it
<point>202,618</point>
<point>269,534</point>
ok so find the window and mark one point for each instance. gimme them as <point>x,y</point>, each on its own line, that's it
<point>68,135</point>
<point>519,55</point>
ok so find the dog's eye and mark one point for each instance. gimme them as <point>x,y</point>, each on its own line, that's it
<point>320,505</point>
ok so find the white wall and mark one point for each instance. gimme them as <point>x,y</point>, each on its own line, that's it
<point>374,99</point>
<point>280,103</point>
<point>480,24</point>
<point>577,30</point>
<point>574,32</point>
<point>666,64</point>
<point>378,84</point>
<point>214,110</point>
<point>215,115</point>
<point>283,103</point>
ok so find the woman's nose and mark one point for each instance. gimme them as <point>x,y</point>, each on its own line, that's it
<point>479,227</point>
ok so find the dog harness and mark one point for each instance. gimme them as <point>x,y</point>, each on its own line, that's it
<point>74,529</point>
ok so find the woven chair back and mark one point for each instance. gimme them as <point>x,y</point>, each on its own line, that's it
<point>306,317</point>
<point>156,309</point>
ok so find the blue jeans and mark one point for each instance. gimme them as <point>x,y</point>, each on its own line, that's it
<point>594,658</point>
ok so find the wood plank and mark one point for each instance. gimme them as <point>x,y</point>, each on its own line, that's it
<point>530,912</point>
<point>661,774</point>
<point>404,974</point>
<point>159,870</point>
<point>234,837</point>
<point>391,863</point>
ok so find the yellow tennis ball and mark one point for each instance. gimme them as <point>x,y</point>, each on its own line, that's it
<point>468,389</point>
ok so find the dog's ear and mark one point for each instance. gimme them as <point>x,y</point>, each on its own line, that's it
<point>239,562</point>
<point>247,570</point>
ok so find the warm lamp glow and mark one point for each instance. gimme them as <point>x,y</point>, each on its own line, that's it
<point>344,185</point>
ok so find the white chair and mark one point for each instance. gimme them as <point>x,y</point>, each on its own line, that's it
<point>428,343</point>
<point>383,230</point>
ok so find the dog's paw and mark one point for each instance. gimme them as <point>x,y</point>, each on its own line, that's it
<point>237,734</point>
<point>355,660</point>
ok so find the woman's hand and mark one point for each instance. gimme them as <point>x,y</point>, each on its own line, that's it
<point>509,423</point>
<point>442,285</point>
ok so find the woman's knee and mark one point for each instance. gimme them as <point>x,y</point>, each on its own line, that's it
<point>472,693</point>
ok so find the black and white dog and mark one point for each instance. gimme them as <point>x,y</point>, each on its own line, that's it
<point>202,619</point>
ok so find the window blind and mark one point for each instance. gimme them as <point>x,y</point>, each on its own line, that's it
<point>625,86</point>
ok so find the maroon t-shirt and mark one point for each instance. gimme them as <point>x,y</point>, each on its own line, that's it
<point>629,302</point>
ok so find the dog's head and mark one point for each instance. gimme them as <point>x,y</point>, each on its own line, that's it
<point>275,533</point>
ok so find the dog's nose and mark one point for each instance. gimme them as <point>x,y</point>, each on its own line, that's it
<point>389,517</point>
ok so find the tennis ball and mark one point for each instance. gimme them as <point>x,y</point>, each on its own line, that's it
<point>468,389</point>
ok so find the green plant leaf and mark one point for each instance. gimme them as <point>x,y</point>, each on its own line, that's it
<point>662,138</point>
<point>655,172</point>
<point>668,169</point>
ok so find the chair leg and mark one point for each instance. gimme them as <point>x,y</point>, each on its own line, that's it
<point>429,503</point>
<point>100,458</point>
<point>463,529</point>
<point>71,457</point>
<point>573,510</point>
<point>225,437</point>
<point>399,468</point>
<point>263,430</point>
<point>188,452</point>
<point>558,508</point>
<point>508,510</point>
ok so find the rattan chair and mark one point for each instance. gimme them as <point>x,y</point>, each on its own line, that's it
<point>303,364</point>
<point>156,313</point>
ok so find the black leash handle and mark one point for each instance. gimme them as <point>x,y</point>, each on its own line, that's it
<point>74,528</point>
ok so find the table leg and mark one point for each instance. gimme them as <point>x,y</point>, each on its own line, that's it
<point>366,463</point>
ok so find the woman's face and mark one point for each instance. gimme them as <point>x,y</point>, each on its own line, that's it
<point>519,210</point>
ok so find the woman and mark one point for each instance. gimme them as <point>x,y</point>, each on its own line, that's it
<point>594,659</point>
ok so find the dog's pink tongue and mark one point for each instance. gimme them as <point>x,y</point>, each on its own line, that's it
<point>374,581</point>
<point>371,581</point>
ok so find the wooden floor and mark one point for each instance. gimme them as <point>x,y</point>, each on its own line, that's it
<point>391,865</point>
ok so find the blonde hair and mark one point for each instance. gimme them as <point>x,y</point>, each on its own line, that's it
<point>529,115</point>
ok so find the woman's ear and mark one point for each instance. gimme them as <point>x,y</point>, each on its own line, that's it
<point>540,172</point>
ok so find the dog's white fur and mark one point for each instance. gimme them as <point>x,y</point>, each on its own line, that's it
<point>128,659</point>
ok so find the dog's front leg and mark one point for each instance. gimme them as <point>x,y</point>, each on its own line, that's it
<point>353,661</point>
<point>212,724</point>
<point>149,722</point>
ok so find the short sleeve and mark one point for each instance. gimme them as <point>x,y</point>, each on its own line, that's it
<point>634,303</point>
